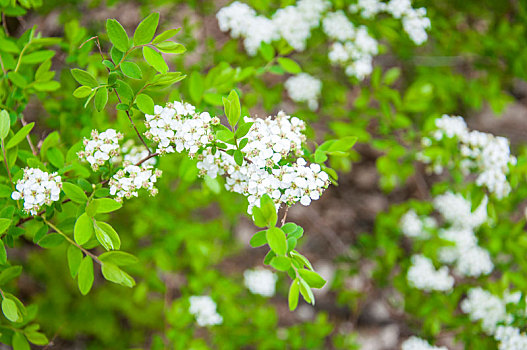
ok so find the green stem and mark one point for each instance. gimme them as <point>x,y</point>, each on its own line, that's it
<point>56,229</point>
<point>20,57</point>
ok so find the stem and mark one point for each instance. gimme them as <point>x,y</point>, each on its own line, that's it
<point>4,23</point>
<point>285,215</point>
<point>21,55</point>
<point>31,145</point>
<point>55,228</point>
<point>133,125</point>
<point>2,293</point>
<point>6,166</point>
<point>129,52</point>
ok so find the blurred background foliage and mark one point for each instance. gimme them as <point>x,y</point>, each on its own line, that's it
<point>190,239</point>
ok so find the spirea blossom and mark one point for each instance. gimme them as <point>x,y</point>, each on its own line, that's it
<point>485,307</point>
<point>510,338</point>
<point>204,309</point>
<point>100,147</point>
<point>423,275</point>
<point>415,343</point>
<point>37,188</point>
<point>368,8</point>
<point>457,211</point>
<point>304,88</point>
<point>177,127</point>
<point>413,226</point>
<point>484,154</point>
<point>128,181</point>
<point>135,153</point>
<point>260,281</point>
<point>338,27</point>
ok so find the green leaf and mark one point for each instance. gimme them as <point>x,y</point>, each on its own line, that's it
<point>101,98</point>
<point>5,124</point>
<point>259,218</point>
<point>117,35</point>
<point>114,274</point>
<point>17,79</point>
<point>19,342</point>
<point>84,78</point>
<point>83,230</point>
<point>3,253</point>
<point>74,192</point>
<point>258,239</point>
<point>106,205</point>
<point>267,51</point>
<point>74,260</point>
<point>306,292</point>
<point>154,59</point>
<point>268,209</point>
<point>118,258</point>
<point>4,224</point>
<point>238,157</point>
<point>281,263</point>
<point>146,30</point>
<point>312,278</point>
<point>232,108</point>
<point>107,236</point>
<point>167,34</point>
<point>20,135</point>
<point>243,129</point>
<point>132,70</point>
<point>37,56</point>
<point>196,87</point>
<point>55,157</point>
<point>277,241</point>
<point>50,141</point>
<point>37,338</point>
<point>51,241</point>
<point>10,310</point>
<point>10,273</point>
<point>145,104</point>
<point>292,298</point>
<point>85,275</point>
<point>171,47</point>
<point>289,65</point>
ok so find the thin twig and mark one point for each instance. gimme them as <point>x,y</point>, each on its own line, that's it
<point>7,166</point>
<point>285,215</point>
<point>91,255</point>
<point>31,145</point>
<point>133,124</point>
<point>4,23</point>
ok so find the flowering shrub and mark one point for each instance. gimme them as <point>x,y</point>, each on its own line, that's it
<point>154,197</point>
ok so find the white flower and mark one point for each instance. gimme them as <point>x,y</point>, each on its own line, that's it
<point>101,147</point>
<point>260,281</point>
<point>37,188</point>
<point>423,275</point>
<point>338,27</point>
<point>128,181</point>
<point>304,88</point>
<point>415,343</point>
<point>204,309</point>
<point>412,226</point>
<point>368,8</point>
<point>485,307</point>
<point>510,338</point>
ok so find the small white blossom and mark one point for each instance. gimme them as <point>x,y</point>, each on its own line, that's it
<point>423,275</point>
<point>485,307</point>
<point>415,343</point>
<point>100,147</point>
<point>37,188</point>
<point>128,181</point>
<point>412,226</point>
<point>338,27</point>
<point>260,281</point>
<point>368,8</point>
<point>304,88</point>
<point>204,309</point>
<point>510,338</point>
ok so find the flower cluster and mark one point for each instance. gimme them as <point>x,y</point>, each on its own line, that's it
<point>37,188</point>
<point>510,338</point>
<point>260,281</point>
<point>415,227</point>
<point>415,22</point>
<point>304,88</point>
<point>204,309</point>
<point>134,154</point>
<point>177,127</point>
<point>128,181</point>
<point>485,154</point>
<point>415,343</point>
<point>491,310</point>
<point>101,147</point>
<point>423,275</point>
<point>270,140</point>
<point>270,165</point>
<point>292,23</point>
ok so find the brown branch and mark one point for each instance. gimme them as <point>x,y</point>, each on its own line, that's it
<point>31,145</point>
